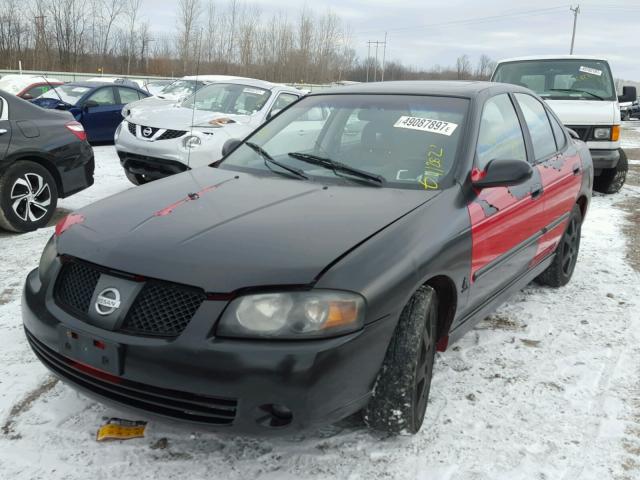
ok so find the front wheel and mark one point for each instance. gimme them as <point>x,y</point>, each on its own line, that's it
<point>611,180</point>
<point>401,392</point>
<point>28,197</point>
<point>561,269</point>
<point>135,178</point>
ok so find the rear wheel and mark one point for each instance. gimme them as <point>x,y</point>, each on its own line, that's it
<point>401,392</point>
<point>135,178</point>
<point>28,197</point>
<point>561,269</point>
<point>611,180</point>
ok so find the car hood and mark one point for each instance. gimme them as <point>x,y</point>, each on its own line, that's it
<point>177,118</point>
<point>584,112</point>
<point>237,230</point>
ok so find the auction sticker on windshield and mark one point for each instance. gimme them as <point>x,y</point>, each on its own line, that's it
<point>592,71</point>
<point>426,125</point>
<point>255,91</point>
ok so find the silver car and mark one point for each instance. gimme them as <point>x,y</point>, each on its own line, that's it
<point>161,140</point>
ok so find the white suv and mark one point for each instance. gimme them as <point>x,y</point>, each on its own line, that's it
<point>582,93</point>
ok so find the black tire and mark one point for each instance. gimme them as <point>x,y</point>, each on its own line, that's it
<point>401,392</point>
<point>561,269</point>
<point>624,116</point>
<point>135,178</point>
<point>28,197</point>
<point>611,180</point>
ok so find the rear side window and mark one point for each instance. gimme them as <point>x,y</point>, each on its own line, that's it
<point>500,133</point>
<point>128,95</point>
<point>558,132</point>
<point>535,115</point>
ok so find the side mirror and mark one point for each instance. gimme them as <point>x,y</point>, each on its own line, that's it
<point>503,173</point>
<point>27,96</point>
<point>230,145</point>
<point>89,104</point>
<point>629,94</point>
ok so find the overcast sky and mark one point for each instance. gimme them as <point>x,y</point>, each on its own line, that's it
<point>427,32</point>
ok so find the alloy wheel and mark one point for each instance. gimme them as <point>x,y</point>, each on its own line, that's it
<point>570,246</point>
<point>30,197</point>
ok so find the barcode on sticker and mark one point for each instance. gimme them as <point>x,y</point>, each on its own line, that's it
<point>426,125</point>
<point>592,71</point>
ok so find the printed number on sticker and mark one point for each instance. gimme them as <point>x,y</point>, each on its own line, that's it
<point>426,125</point>
<point>592,71</point>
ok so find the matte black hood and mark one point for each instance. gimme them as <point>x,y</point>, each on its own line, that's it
<point>222,230</point>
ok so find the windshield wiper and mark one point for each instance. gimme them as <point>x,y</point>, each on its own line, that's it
<point>269,159</point>
<point>575,90</point>
<point>370,178</point>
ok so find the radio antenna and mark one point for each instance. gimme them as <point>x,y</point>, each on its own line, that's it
<point>195,91</point>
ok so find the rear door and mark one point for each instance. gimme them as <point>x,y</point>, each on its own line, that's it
<point>5,128</point>
<point>559,166</point>
<point>100,121</point>
<point>506,221</point>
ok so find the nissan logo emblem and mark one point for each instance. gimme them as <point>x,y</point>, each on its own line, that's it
<point>147,132</point>
<point>108,301</point>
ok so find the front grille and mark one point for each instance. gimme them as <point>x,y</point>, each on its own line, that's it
<point>171,134</point>
<point>75,285</point>
<point>132,128</point>
<point>161,309</point>
<point>584,132</point>
<point>161,401</point>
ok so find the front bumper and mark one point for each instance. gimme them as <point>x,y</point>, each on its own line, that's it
<point>604,159</point>
<point>219,383</point>
<point>151,167</point>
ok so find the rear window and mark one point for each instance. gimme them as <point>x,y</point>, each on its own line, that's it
<point>70,94</point>
<point>560,79</point>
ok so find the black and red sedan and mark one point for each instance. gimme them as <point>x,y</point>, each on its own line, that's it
<point>284,287</point>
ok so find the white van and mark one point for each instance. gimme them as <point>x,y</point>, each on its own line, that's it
<point>582,93</point>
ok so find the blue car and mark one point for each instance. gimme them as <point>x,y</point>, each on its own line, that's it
<point>96,105</point>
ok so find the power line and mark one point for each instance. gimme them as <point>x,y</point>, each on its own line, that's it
<point>473,20</point>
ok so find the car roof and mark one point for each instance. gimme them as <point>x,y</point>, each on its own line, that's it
<point>551,57</point>
<point>101,84</point>
<point>452,88</point>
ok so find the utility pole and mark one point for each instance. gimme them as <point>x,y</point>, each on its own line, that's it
<point>375,67</point>
<point>384,55</point>
<point>575,11</point>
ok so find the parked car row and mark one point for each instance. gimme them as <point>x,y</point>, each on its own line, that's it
<point>630,111</point>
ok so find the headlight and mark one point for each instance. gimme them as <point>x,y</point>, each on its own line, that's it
<point>602,133</point>
<point>292,315</point>
<point>117,134</point>
<point>192,142</point>
<point>49,254</point>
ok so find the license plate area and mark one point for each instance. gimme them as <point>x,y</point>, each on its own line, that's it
<point>90,350</point>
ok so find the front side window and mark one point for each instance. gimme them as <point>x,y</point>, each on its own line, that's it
<point>500,136</point>
<point>182,88</point>
<point>558,132</point>
<point>560,79</point>
<point>103,97</point>
<point>410,142</point>
<point>230,98</point>
<point>535,115</point>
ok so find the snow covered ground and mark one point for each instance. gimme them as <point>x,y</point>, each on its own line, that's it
<point>547,388</point>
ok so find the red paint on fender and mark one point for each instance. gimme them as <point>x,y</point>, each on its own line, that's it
<point>67,222</point>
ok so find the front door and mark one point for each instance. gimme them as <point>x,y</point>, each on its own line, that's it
<point>101,114</point>
<point>506,221</point>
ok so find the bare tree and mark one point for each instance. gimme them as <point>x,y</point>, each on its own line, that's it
<point>188,15</point>
<point>463,67</point>
<point>485,67</point>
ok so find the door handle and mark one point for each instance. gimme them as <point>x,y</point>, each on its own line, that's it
<point>576,169</point>
<point>536,191</point>
<point>3,131</point>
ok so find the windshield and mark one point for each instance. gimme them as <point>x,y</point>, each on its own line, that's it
<point>228,98</point>
<point>560,79</point>
<point>406,141</point>
<point>68,93</point>
<point>182,88</point>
